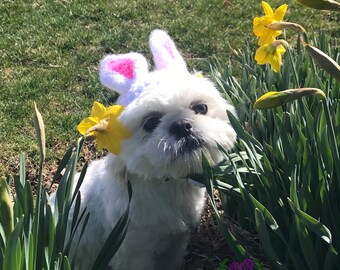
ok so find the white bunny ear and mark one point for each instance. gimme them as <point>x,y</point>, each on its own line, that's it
<point>165,54</point>
<point>125,74</point>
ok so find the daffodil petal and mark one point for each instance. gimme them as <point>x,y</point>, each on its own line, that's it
<point>98,110</point>
<point>268,37</point>
<point>112,133</point>
<point>106,141</point>
<point>281,49</point>
<point>114,110</point>
<point>114,147</point>
<point>259,25</point>
<point>261,55</point>
<point>85,124</point>
<point>280,12</point>
<point>117,129</point>
<point>267,9</point>
<point>100,142</point>
<point>276,62</point>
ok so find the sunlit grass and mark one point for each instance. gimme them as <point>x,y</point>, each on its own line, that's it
<point>49,52</point>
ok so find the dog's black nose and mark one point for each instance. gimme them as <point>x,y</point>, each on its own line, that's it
<point>181,129</point>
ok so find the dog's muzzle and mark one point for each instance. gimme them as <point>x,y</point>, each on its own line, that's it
<point>181,129</point>
<point>187,141</point>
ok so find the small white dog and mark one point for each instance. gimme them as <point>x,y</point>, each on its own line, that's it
<point>174,117</point>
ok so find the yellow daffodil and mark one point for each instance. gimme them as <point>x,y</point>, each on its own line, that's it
<point>104,126</point>
<point>271,54</point>
<point>260,24</point>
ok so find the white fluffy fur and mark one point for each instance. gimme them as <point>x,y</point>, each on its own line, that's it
<point>165,204</point>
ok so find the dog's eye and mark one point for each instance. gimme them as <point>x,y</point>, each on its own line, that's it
<point>151,123</point>
<point>200,108</point>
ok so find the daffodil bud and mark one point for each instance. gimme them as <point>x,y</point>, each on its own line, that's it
<point>321,4</point>
<point>286,25</point>
<point>274,99</point>
<point>40,130</point>
<point>6,208</point>
<point>324,61</point>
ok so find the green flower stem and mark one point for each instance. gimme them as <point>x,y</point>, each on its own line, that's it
<point>36,222</point>
<point>40,130</point>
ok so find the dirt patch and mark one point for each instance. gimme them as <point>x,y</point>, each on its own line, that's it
<point>208,249</point>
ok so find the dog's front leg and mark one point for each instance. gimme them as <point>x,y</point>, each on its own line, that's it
<point>136,252</point>
<point>174,249</point>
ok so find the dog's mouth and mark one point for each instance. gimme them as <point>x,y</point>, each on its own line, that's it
<point>188,145</point>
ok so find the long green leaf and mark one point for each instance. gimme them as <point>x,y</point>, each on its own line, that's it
<point>11,254</point>
<point>270,220</point>
<point>317,227</point>
<point>332,259</point>
<point>62,165</point>
<point>115,238</point>
<point>266,241</point>
<point>208,180</point>
<point>66,264</point>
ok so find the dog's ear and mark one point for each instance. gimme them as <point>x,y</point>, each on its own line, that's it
<point>165,54</point>
<point>125,74</point>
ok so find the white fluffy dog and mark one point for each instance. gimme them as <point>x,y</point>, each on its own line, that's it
<point>174,117</point>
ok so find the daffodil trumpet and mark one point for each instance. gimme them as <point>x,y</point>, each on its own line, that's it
<point>274,99</point>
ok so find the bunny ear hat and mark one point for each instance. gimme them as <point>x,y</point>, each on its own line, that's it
<point>127,73</point>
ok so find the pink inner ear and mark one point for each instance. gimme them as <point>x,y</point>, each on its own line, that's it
<point>168,47</point>
<point>123,67</point>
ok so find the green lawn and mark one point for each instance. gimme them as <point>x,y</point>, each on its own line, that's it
<point>49,53</point>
